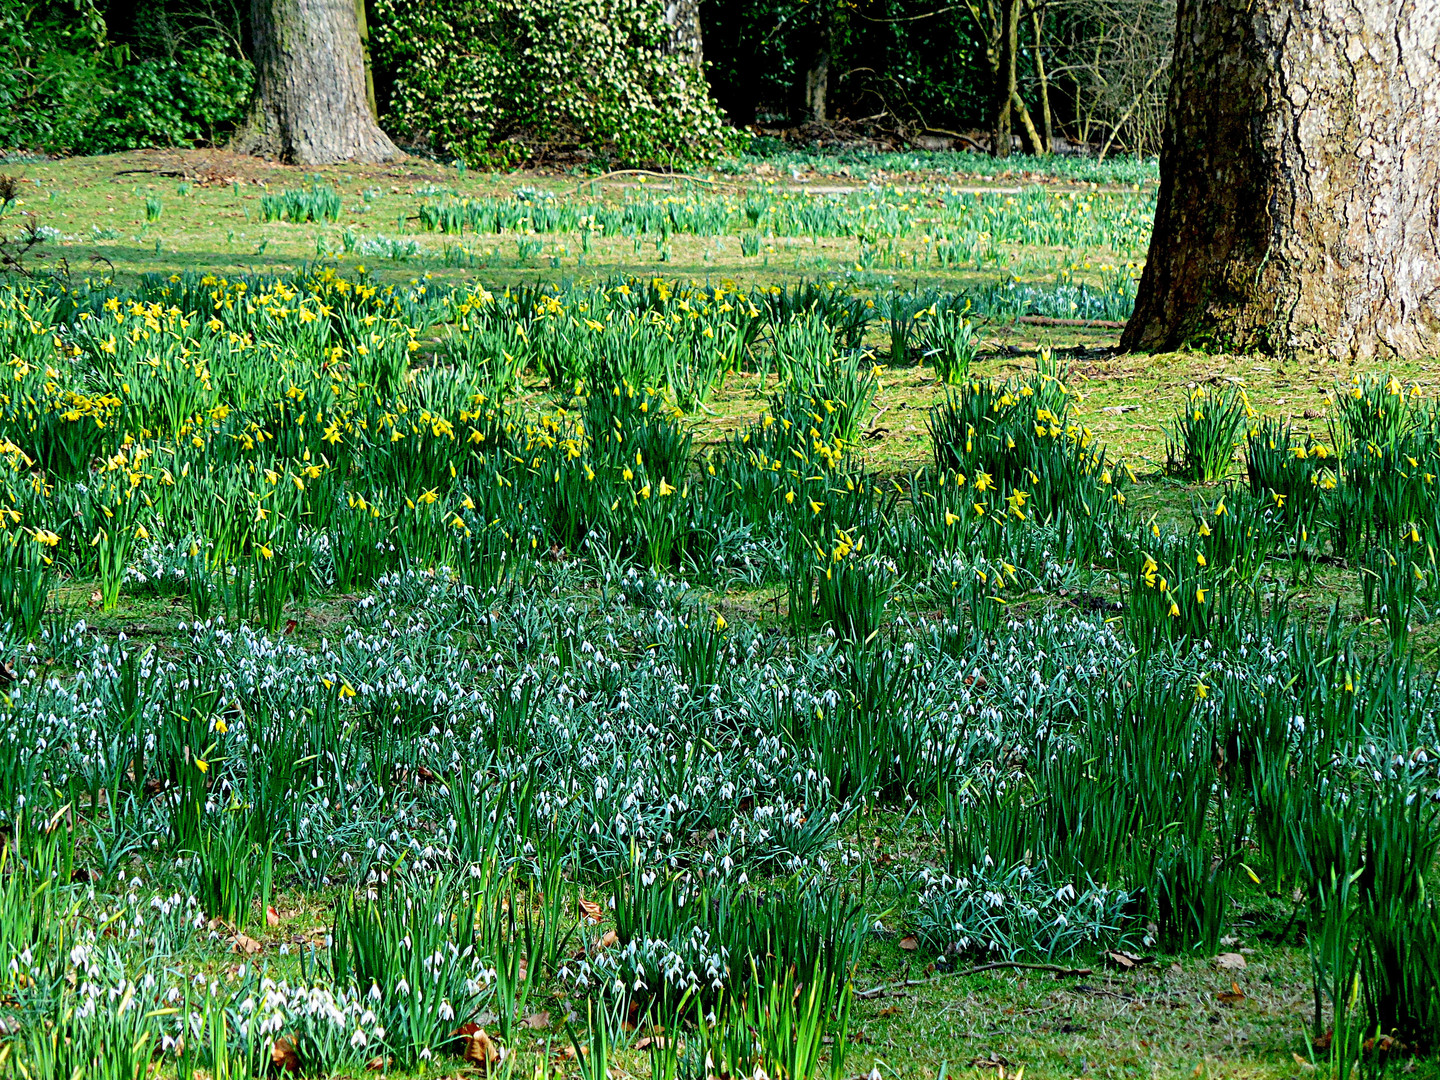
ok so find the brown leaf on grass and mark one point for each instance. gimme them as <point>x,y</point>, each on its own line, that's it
<point>283,1056</point>
<point>481,1050</point>
<point>607,940</point>
<point>563,1054</point>
<point>655,1042</point>
<point>1231,997</point>
<point>425,776</point>
<point>590,910</point>
<point>537,1021</point>
<point>1230,961</point>
<point>890,1010</point>
<point>272,917</point>
<point>1322,1044</point>
<point>1301,1061</point>
<point>909,943</point>
<point>245,944</point>
<point>1127,960</point>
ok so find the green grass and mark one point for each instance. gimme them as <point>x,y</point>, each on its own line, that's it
<point>655,641</point>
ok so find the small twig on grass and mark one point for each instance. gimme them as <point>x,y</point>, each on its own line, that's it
<point>877,991</point>
<point>651,172</point>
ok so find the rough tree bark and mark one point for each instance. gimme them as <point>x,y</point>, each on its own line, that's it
<point>311,106</point>
<point>686,40</point>
<point>1299,203</point>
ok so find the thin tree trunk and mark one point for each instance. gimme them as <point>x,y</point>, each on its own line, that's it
<point>1299,203</point>
<point>1047,129</point>
<point>311,106</point>
<point>1027,125</point>
<point>1005,81</point>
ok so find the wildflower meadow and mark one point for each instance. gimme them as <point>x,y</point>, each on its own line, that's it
<point>414,675</point>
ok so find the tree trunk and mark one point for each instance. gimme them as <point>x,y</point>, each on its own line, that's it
<point>1005,80</point>
<point>1046,130</point>
<point>311,106</point>
<point>815,81</point>
<point>683,18</point>
<point>1299,171</point>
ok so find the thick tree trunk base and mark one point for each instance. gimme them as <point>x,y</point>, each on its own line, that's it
<point>311,105</point>
<point>1299,203</point>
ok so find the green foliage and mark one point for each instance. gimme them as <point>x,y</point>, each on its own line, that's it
<point>1204,431</point>
<point>53,67</point>
<point>171,102</point>
<point>493,83</point>
<point>65,87</point>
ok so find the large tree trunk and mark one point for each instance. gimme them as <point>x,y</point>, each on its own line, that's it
<point>311,105</point>
<point>1299,203</point>
<point>686,39</point>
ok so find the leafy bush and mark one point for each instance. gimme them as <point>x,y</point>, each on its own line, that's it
<point>167,102</point>
<point>52,68</point>
<point>491,82</point>
<point>64,87</point>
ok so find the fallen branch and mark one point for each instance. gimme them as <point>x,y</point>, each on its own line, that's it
<point>651,172</point>
<point>1046,320</point>
<point>1008,965</point>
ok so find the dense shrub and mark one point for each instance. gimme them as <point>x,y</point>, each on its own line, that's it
<point>65,87</point>
<point>164,102</point>
<point>52,65</point>
<point>492,82</point>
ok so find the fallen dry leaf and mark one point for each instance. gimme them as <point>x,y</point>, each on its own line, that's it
<point>538,1021</point>
<point>1121,960</point>
<point>283,1056</point>
<point>590,910</point>
<point>1230,961</point>
<point>481,1050</point>
<point>607,940</point>
<point>1231,997</point>
<point>654,1042</point>
<point>890,1010</point>
<point>909,943</point>
<point>272,917</point>
<point>1301,1061</point>
<point>379,1064</point>
<point>246,944</point>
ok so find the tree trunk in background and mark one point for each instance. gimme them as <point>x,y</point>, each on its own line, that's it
<point>311,106</point>
<point>1046,129</point>
<point>1005,81</point>
<point>815,80</point>
<point>683,18</point>
<point>1299,203</point>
